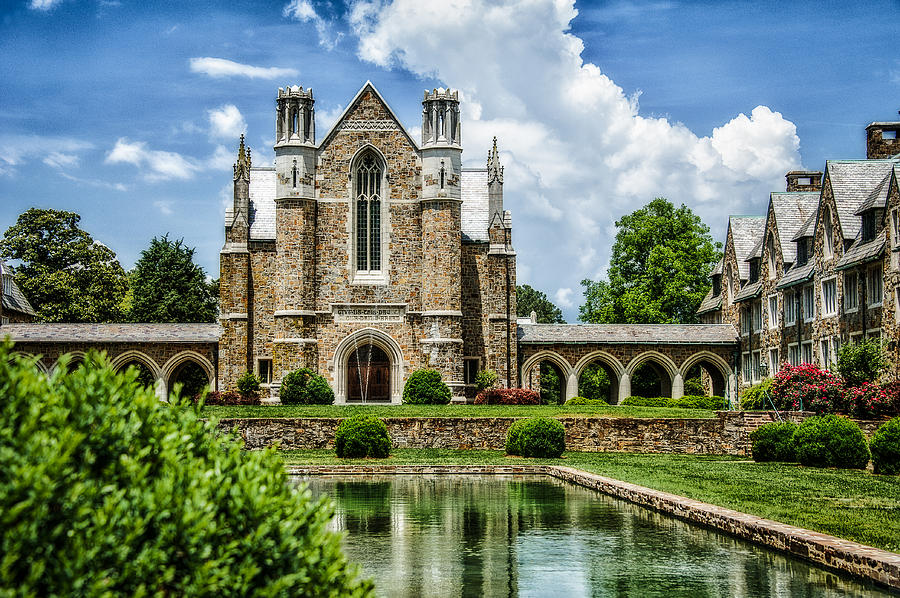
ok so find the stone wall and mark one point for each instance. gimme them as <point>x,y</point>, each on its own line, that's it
<point>725,434</point>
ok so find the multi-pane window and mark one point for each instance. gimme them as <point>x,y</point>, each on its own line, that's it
<point>806,352</point>
<point>745,321</point>
<point>368,214</point>
<point>794,354</point>
<point>874,289</point>
<point>470,367</point>
<point>790,308</point>
<point>829,235</point>
<point>264,370</point>
<point>808,304</point>
<point>755,365</point>
<point>770,248</point>
<point>746,369</point>
<point>756,310</point>
<point>774,364</point>
<point>802,253</point>
<point>825,352</point>
<point>829,297</point>
<point>868,225</point>
<point>851,292</point>
<point>773,311</point>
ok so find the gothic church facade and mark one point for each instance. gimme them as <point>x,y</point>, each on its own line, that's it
<point>367,255</point>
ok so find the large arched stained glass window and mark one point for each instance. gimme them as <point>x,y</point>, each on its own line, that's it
<point>368,213</point>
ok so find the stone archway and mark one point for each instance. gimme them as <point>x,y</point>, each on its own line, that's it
<point>138,358</point>
<point>672,383</point>
<point>619,382</point>
<point>559,362</point>
<point>38,363</point>
<point>720,373</point>
<point>368,375</point>
<point>178,369</point>
<point>348,349</point>
<point>75,358</point>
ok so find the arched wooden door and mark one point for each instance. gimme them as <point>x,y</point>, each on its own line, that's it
<point>369,376</point>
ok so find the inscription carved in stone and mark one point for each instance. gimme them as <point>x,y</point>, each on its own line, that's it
<point>368,313</point>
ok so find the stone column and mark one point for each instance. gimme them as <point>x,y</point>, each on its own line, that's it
<point>677,386</point>
<point>624,387</point>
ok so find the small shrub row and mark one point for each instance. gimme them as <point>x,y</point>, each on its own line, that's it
<point>508,396</point>
<point>829,441</point>
<point>426,387</point>
<point>584,401</point>
<point>686,402</point>
<point>362,436</point>
<point>305,387</point>
<point>541,437</point>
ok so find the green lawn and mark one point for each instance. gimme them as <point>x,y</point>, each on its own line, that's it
<point>849,504</point>
<point>451,411</point>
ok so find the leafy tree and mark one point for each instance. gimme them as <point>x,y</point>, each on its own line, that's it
<point>169,287</point>
<point>550,384</point>
<point>108,492</point>
<point>861,362</point>
<point>530,300</point>
<point>659,269</point>
<point>65,274</point>
<point>594,383</point>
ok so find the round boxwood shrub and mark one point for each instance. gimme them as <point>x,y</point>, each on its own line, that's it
<point>536,437</point>
<point>831,441</point>
<point>112,493</point>
<point>305,387</point>
<point>774,442</point>
<point>362,436</point>
<point>885,447</point>
<point>425,387</point>
<point>584,401</point>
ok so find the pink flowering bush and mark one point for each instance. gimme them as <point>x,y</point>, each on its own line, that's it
<point>867,400</point>
<point>891,405</point>
<point>809,387</point>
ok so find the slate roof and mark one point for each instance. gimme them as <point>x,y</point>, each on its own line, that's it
<point>877,198</point>
<point>641,334</point>
<point>791,210</point>
<point>797,275</point>
<point>12,297</point>
<point>852,181</point>
<point>474,209</point>
<point>262,204</point>
<point>750,291</point>
<point>720,265</point>
<point>745,232</point>
<point>860,253</point>
<point>710,303</point>
<point>806,229</point>
<point>113,333</point>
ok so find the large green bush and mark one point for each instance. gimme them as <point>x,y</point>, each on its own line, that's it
<point>774,442</point>
<point>885,447</point>
<point>105,491</point>
<point>860,362</point>
<point>754,398</point>
<point>485,379</point>
<point>831,441</point>
<point>362,436</point>
<point>425,387</point>
<point>536,437</point>
<point>305,387</point>
<point>686,402</point>
<point>248,384</point>
<point>585,401</point>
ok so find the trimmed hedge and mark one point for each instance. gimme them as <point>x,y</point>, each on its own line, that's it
<point>774,442</point>
<point>686,402</point>
<point>305,387</point>
<point>831,441</point>
<point>508,396</point>
<point>885,447</point>
<point>584,401</point>
<point>226,398</point>
<point>541,437</point>
<point>426,387</point>
<point>362,436</point>
<point>754,398</point>
<point>106,491</point>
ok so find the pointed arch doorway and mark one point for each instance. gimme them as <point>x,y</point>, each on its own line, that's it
<point>369,375</point>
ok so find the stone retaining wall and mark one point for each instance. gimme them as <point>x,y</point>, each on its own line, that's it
<point>824,550</point>
<point>725,434</point>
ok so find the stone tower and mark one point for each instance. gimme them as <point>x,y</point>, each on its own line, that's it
<point>441,201</point>
<point>294,345</point>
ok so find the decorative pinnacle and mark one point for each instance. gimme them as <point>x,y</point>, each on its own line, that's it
<point>242,166</point>
<point>495,170</point>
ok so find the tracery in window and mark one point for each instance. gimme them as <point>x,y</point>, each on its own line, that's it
<point>368,213</point>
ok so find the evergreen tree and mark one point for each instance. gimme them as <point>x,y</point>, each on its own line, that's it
<point>168,286</point>
<point>529,299</point>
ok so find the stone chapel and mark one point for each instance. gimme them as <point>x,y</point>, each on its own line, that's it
<point>368,254</point>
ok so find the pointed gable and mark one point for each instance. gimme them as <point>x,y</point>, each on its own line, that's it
<point>368,111</point>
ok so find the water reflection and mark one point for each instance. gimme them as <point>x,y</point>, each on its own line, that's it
<point>536,536</point>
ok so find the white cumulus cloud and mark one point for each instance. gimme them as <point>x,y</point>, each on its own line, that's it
<point>44,5</point>
<point>220,67</point>
<point>578,152</point>
<point>563,297</point>
<point>303,11</point>
<point>156,165</point>
<point>226,122</point>
<point>58,152</point>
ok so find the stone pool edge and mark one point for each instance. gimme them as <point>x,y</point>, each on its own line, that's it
<point>828,551</point>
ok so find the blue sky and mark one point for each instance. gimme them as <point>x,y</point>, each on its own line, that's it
<point>128,112</point>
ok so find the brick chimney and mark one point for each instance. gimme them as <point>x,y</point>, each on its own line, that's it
<point>804,180</point>
<point>881,140</point>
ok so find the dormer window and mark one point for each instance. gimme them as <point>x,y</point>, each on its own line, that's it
<point>716,285</point>
<point>868,225</point>
<point>802,253</point>
<point>754,270</point>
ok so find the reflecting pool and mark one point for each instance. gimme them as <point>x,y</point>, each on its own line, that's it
<point>537,536</point>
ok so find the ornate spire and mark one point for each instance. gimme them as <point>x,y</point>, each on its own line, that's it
<point>242,166</point>
<point>495,171</point>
